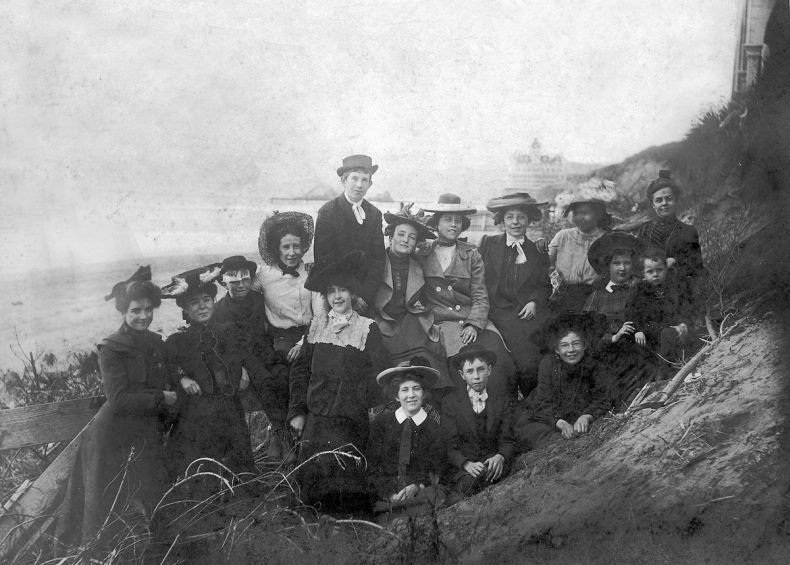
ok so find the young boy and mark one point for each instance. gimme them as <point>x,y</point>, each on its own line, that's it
<point>244,310</point>
<point>477,424</point>
<point>655,309</point>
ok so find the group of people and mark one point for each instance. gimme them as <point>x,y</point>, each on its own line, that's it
<point>405,367</point>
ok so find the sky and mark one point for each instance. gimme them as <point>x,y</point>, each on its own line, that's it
<point>137,128</point>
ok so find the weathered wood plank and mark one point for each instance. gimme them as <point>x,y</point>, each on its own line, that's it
<point>46,423</point>
<point>37,505</point>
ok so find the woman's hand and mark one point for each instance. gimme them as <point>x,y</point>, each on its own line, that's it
<point>582,425</point>
<point>626,329</point>
<point>682,329</point>
<point>190,386</point>
<point>297,425</point>
<point>640,338</point>
<point>495,466</point>
<point>566,429</point>
<point>474,468</point>
<point>528,311</point>
<point>468,334</point>
<point>244,383</point>
<point>407,492</point>
<point>294,352</point>
<point>671,262</point>
<point>542,245</point>
<point>169,397</point>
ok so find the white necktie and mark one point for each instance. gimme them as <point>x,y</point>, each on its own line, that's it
<point>478,400</point>
<point>516,244</point>
<point>359,213</point>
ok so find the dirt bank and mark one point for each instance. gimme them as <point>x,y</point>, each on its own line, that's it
<point>702,480</point>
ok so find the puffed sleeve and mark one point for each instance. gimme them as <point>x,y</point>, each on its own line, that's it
<point>478,315</point>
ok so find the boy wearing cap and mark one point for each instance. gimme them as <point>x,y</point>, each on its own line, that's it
<point>349,223</point>
<point>245,310</point>
<point>477,424</point>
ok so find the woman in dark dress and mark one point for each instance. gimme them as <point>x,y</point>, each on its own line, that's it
<point>206,361</point>
<point>333,385</point>
<point>517,278</point>
<point>572,386</point>
<point>119,466</point>
<point>406,450</point>
<point>678,240</point>
<point>399,307</point>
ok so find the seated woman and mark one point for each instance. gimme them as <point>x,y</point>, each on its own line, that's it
<point>333,384</point>
<point>678,240</point>
<point>455,291</point>
<point>119,466</point>
<point>406,450</point>
<point>205,363</point>
<point>399,306</point>
<point>568,252</point>
<point>614,256</point>
<point>572,385</point>
<point>517,278</point>
<point>284,239</point>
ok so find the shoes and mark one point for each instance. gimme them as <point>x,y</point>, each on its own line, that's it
<point>275,448</point>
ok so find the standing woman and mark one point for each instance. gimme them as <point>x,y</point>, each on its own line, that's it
<point>517,278</point>
<point>679,240</point>
<point>400,310</point>
<point>205,364</point>
<point>333,384</point>
<point>119,465</point>
<point>455,290</point>
<point>284,239</point>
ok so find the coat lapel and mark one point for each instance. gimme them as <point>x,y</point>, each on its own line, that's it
<point>532,260</point>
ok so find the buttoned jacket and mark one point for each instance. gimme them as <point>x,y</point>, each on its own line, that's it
<point>460,293</point>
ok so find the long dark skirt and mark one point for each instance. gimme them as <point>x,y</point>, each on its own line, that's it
<point>519,335</point>
<point>333,482</point>
<point>410,340</point>
<point>118,472</point>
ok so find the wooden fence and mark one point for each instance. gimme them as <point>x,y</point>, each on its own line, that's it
<point>34,506</point>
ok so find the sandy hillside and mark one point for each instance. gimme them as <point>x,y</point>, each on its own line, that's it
<point>702,480</point>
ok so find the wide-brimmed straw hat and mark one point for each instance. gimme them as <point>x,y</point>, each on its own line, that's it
<point>472,351</point>
<point>405,216</point>
<point>606,245</point>
<point>450,204</point>
<point>515,200</point>
<point>582,200</point>
<point>237,263</point>
<point>416,367</point>
<point>341,273</point>
<point>274,222</point>
<point>192,282</point>
<point>357,162</point>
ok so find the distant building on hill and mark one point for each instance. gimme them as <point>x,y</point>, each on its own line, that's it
<point>534,171</point>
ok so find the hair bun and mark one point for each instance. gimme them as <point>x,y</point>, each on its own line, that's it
<point>664,174</point>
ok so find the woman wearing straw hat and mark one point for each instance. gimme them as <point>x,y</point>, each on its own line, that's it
<point>455,289</point>
<point>406,449</point>
<point>568,252</point>
<point>205,362</point>
<point>333,384</point>
<point>119,467</point>
<point>517,278</point>
<point>400,310</point>
<point>284,239</point>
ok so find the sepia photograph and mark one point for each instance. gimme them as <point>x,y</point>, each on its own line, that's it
<point>394,282</point>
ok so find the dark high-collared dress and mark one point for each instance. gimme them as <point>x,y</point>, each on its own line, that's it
<point>211,424</point>
<point>510,288</point>
<point>333,384</point>
<point>126,434</point>
<point>338,233</point>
